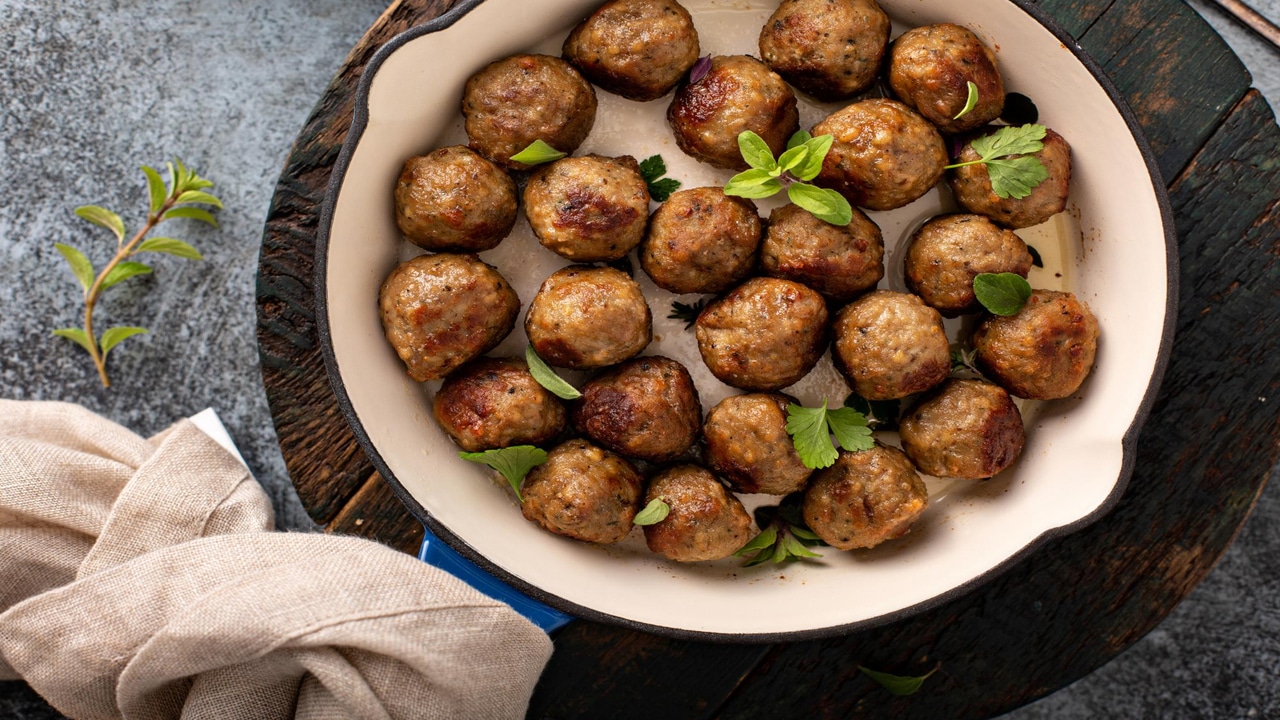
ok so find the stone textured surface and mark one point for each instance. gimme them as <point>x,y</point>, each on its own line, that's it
<point>93,88</point>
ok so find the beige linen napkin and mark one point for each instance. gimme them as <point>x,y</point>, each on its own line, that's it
<point>139,580</point>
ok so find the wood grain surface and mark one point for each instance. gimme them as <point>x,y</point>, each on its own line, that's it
<point>1203,457</point>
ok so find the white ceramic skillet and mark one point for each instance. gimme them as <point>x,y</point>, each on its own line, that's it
<point>1114,247</point>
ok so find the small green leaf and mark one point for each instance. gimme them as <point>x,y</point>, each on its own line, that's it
<point>970,103</point>
<point>753,184</point>
<point>537,153</point>
<point>810,435</point>
<point>765,538</point>
<point>1010,140</point>
<point>155,188</point>
<point>655,512</point>
<point>756,151</point>
<point>1001,293</point>
<point>196,196</point>
<point>793,158</point>
<point>173,179</point>
<point>170,246</point>
<point>1016,177</point>
<point>805,533</point>
<point>80,264</point>
<point>823,203</point>
<point>547,377</point>
<point>799,138</point>
<point>113,336</point>
<point>898,684</point>
<point>190,212</point>
<point>660,190</point>
<point>513,463</point>
<point>80,336</point>
<point>652,168</point>
<point>688,313</point>
<point>818,149</point>
<point>102,217</point>
<point>123,271</point>
<point>1035,257</point>
<point>797,549</point>
<point>851,429</point>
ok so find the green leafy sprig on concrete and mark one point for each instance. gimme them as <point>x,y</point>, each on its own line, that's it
<point>178,199</point>
<point>1011,164</point>
<point>801,162</point>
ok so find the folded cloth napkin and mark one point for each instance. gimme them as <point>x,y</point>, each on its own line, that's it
<point>139,580</point>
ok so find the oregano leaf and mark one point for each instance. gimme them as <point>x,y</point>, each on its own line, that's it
<point>513,463</point>
<point>1001,293</point>
<point>655,512</point>
<point>547,377</point>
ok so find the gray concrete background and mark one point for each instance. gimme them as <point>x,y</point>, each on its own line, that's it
<point>90,89</point>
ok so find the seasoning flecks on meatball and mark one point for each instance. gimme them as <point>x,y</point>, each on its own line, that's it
<point>514,101</point>
<point>589,208</point>
<point>638,49</point>
<point>747,444</point>
<point>1044,351</point>
<point>966,429</point>
<point>439,311</point>
<point>764,334</point>
<point>645,408</point>
<point>451,199</point>
<point>930,68</point>
<point>841,262</point>
<point>588,317</point>
<point>865,498</point>
<point>884,155</point>
<point>738,93</point>
<point>830,49</point>
<point>971,185</point>
<point>889,345</point>
<point>948,252</point>
<point>706,522</point>
<point>495,403</point>
<point>701,241</point>
<point>583,492</point>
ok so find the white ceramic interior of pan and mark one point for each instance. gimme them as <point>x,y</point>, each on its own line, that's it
<point>1108,248</point>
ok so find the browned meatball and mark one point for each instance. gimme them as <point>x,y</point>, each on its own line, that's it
<point>701,241</point>
<point>583,492</point>
<point>495,403</point>
<point>588,317</point>
<point>453,199</point>
<point>884,155</point>
<point>948,252</point>
<point>930,68</point>
<point>830,49</point>
<point>706,522</point>
<point>440,311</point>
<point>644,408</point>
<point>967,429</point>
<point>589,208</point>
<point>1043,352</point>
<point>865,498</point>
<point>512,102</point>
<point>747,444</point>
<point>763,335</point>
<point>739,93</point>
<point>972,187</point>
<point>839,262</point>
<point>638,49</point>
<point>890,344</point>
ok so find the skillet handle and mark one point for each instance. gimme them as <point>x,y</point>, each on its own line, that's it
<point>437,553</point>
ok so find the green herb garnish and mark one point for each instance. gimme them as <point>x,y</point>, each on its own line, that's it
<point>811,430</point>
<point>785,535</point>
<point>547,377</point>
<point>898,684</point>
<point>962,361</point>
<point>655,512</point>
<point>1007,153</point>
<point>184,190</point>
<point>799,163</point>
<point>537,153</point>
<point>652,169</point>
<point>1001,293</point>
<point>513,463</point>
<point>880,414</point>
<point>970,103</point>
<point>688,313</point>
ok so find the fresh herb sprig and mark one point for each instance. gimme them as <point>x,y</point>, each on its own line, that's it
<point>178,199</point>
<point>655,512</point>
<point>963,362</point>
<point>785,535</point>
<point>652,170</point>
<point>899,684</point>
<point>811,430</point>
<point>537,153</point>
<point>801,162</point>
<point>1007,153</point>
<point>547,377</point>
<point>970,103</point>
<point>513,463</point>
<point>688,313</point>
<point>1001,293</point>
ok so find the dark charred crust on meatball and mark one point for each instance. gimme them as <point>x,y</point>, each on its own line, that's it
<point>930,68</point>
<point>706,522</point>
<point>452,199</point>
<point>839,262</point>
<point>889,345</point>
<point>645,408</point>
<point>966,429</point>
<point>948,252</point>
<point>865,498</point>
<point>701,241</point>
<point>1044,352</point>
<point>747,444</point>
<point>588,317</point>
<point>639,49</point>
<point>583,492</point>
<point>495,403</point>
<point>971,186</point>
<point>830,49</point>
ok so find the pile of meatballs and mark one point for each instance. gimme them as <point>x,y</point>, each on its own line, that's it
<point>785,290</point>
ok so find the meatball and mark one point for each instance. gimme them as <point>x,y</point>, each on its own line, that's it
<point>968,429</point>
<point>763,335</point>
<point>644,408</point>
<point>930,68</point>
<point>701,241</point>
<point>1043,352</point>
<point>706,522</point>
<point>948,252</point>
<point>588,317</point>
<point>884,155</point>
<point>890,344</point>
<point>495,403</point>
<point>839,262</point>
<point>638,49</point>
<point>738,93</point>
<point>583,492</point>
<point>440,311</point>
<point>589,208</point>
<point>747,444</point>
<point>512,102</point>
<point>454,200</point>
<point>830,49</point>
<point>865,498</point>
<point>972,187</point>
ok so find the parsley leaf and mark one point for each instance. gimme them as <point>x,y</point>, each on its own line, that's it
<point>1001,293</point>
<point>512,462</point>
<point>537,153</point>
<point>898,684</point>
<point>688,313</point>
<point>547,377</point>
<point>811,430</point>
<point>653,513</point>
<point>1007,153</point>
<point>652,169</point>
<point>970,103</point>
